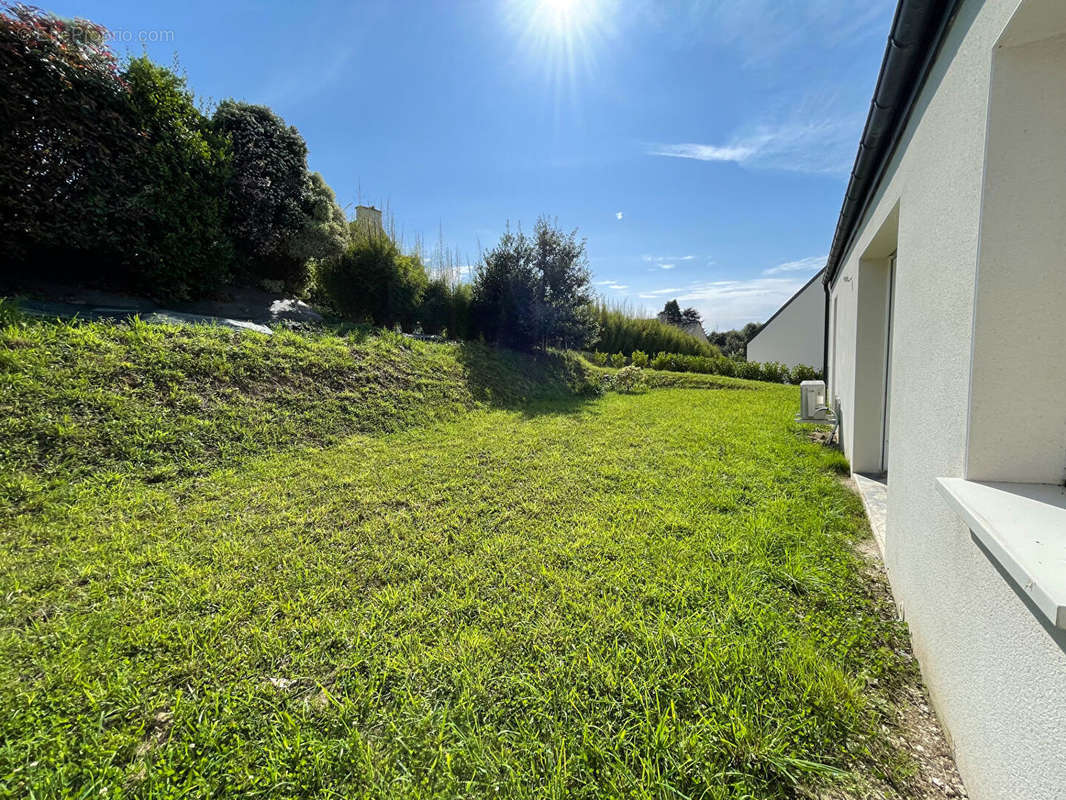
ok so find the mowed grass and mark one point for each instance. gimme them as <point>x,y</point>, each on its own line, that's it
<point>638,596</point>
<point>156,402</point>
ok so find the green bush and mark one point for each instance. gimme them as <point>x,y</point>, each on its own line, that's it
<point>271,196</point>
<point>373,281</point>
<point>734,343</point>
<point>322,233</point>
<point>435,309</point>
<point>720,365</point>
<point>774,372</point>
<point>171,229</point>
<point>600,359</point>
<point>445,309</point>
<point>801,372</point>
<point>629,379</point>
<point>640,358</point>
<point>675,362</point>
<point>622,332</point>
<point>749,369</point>
<point>67,141</point>
<point>114,177</point>
<point>727,366</point>
<point>462,326</point>
<point>618,360</point>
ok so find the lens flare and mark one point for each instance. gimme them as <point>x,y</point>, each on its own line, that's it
<point>565,16</point>
<point>562,38</point>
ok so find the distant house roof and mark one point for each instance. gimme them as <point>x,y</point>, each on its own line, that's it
<point>695,329</point>
<point>918,30</point>
<point>787,303</point>
<point>691,328</point>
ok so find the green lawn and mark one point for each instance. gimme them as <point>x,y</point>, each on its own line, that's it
<point>650,595</point>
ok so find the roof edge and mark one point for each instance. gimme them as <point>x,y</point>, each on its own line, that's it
<point>787,303</point>
<point>915,38</point>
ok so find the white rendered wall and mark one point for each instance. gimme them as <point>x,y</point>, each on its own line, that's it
<point>797,334</point>
<point>995,671</point>
<point>1020,325</point>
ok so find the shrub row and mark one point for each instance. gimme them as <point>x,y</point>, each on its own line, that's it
<point>622,333</point>
<point>771,371</point>
<point>374,282</point>
<point>528,292</point>
<point>111,175</point>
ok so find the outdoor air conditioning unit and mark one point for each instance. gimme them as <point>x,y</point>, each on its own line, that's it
<point>813,405</point>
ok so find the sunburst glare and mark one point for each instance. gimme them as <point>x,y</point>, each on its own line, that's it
<point>561,37</point>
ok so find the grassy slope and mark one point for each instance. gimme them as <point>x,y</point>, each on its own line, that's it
<point>642,596</point>
<point>154,402</point>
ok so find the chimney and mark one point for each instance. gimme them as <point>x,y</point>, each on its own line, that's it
<point>368,216</point>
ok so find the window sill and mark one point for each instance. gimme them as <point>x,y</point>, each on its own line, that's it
<point>1023,526</point>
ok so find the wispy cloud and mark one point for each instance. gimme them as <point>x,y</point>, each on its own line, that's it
<point>727,304</point>
<point>667,266</point>
<point>811,265</point>
<point>660,259</point>
<point>618,215</point>
<point>740,153</point>
<point>610,284</point>
<point>733,303</point>
<point>824,145</point>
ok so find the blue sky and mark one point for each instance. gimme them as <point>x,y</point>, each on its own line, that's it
<point>701,146</point>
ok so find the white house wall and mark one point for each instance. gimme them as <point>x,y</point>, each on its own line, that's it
<point>995,671</point>
<point>797,334</point>
<point>1020,322</point>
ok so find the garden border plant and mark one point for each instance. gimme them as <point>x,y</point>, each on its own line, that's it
<point>768,371</point>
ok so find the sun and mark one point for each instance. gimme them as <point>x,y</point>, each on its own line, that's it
<point>565,17</point>
<point>561,38</point>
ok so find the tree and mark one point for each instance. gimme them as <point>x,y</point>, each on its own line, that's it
<point>268,193</point>
<point>434,312</point>
<point>116,177</point>
<point>734,343</point>
<point>748,331</point>
<point>671,314</point>
<point>66,138</point>
<point>170,224</point>
<point>567,315</point>
<point>106,176</point>
<point>691,316</point>
<point>534,291</point>
<point>504,293</point>
<point>324,230</point>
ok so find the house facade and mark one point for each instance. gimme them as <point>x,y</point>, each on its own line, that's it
<point>945,294</point>
<point>795,334</point>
